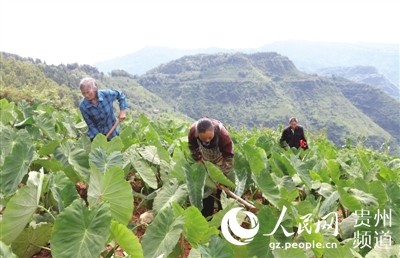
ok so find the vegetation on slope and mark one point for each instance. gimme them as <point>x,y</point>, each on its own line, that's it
<point>266,89</point>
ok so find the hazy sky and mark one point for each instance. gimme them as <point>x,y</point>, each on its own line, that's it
<point>88,31</point>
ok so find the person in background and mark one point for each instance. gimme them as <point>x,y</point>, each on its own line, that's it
<point>210,141</point>
<point>293,136</point>
<point>97,108</point>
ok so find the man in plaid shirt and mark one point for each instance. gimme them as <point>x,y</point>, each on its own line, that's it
<point>97,108</point>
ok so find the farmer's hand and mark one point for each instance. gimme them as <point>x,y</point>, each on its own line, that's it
<point>200,160</point>
<point>121,115</point>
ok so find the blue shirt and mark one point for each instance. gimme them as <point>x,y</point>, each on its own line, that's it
<point>100,118</point>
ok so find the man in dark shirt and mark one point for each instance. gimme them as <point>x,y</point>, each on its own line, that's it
<point>97,108</point>
<point>209,140</point>
<point>293,136</point>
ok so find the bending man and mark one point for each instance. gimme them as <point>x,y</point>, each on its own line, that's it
<point>97,108</point>
<point>210,141</point>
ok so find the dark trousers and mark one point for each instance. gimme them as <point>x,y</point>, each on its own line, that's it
<point>208,204</point>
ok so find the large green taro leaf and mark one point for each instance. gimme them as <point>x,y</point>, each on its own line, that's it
<point>31,239</point>
<point>195,180</point>
<point>267,186</point>
<point>114,189</point>
<point>171,191</point>
<point>63,190</point>
<point>142,167</point>
<point>21,207</point>
<point>217,248</point>
<point>46,125</point>
<point>196,229</point>
<point>103,161</point>
<point>80,232</point>
<point>100,141</point>
<point>216,174</point>
<point>15,166</point>
<point>162,234</point>
<point>127,240</point>
<point>75,161</point>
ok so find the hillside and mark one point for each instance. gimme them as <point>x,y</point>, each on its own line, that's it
<point>307,56</point>
<point>363,74</point>
<point>26,78</point>
<point>266,89</point>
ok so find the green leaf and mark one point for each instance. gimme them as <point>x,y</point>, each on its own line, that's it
<point>280,165</point>
<point>216,174</point>
<point>289,252</point>
<point>63,190</point>
<point>259,246</point>
<point>79,232</point>
<point>103,161</point>
<point>196,227</point>
<point>15,166</point>
<point>378,191</point>
<point>217,248</point>
<point>347,226</point>
<point>314,237</point>
<point>366,199</point>
<point>5,251</point>
<point>25,108</point>
<point>49,164</point>
<point>330,204</point>
<point>71,155</point>
<point>217,217</point>
<point>153,138</point>
<point>240,182</point>
<point>301,170</point>
<point>149,153</point>
<point>21,207</point>
<point>381,252</point>
<point>84,143</point>
<point>127,240</point>
<point>255,156</point>
<point>267,186</point>
<point>100,141</point>
<point>8,139</point>
<point>113,189</point>
<point>162,234</point>
<point>194,253</point>
<point>171,191</point>
<point>179,163</point>
<point>25,122</point>
<point>141,166</point>
<point>49,147</point>
<point>46,125</point>
<point>29,241</point>
<point>342,251</point>
<point>7,111</point>
<point>349,201</point>
<point>195,180</point>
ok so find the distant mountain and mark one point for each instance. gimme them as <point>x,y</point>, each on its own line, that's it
<point>307,56</point>
<point>363,74</point>
<point>266,89</point>
<point>147,58</point>
<point>311,56</point>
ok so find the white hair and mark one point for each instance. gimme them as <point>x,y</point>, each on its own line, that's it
<point>87,81</point>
